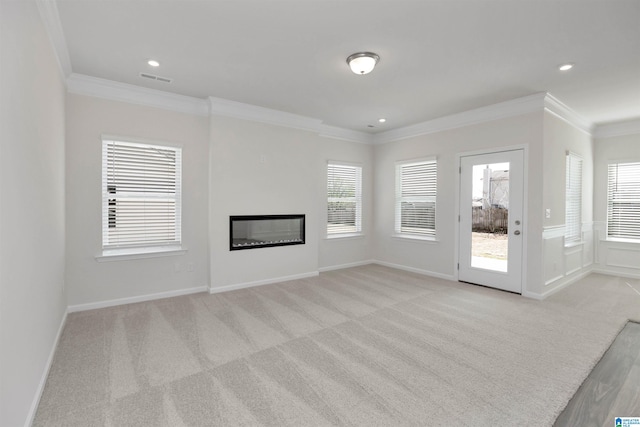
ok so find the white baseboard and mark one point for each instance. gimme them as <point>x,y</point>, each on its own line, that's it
<point>131,300</point>
<point>343,266</point>
<point>559,285</point>
<point>532,295</point>
<point>416,270</point>
<point>554,279</point>
<point>218,289</point>
<point>610,272</point>
<point>45,374</point>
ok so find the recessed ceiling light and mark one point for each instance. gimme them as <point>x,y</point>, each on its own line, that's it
<point>565,67</point>
<point>153,63</point>
<point>382,120</point>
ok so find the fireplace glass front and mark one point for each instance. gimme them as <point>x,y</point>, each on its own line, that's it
<point>262,231</point>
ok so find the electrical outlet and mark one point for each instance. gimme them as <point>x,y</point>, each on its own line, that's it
<point>190,266</point>
<point>177,267</point>
<point>547,213</point>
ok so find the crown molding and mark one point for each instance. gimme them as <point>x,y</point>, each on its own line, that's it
<point>239,110</point>
<point>115,91</point>
<point>254,113</point>
<point>107,89</point>
<point>514,107</point>
<point>335,132</point>
<point>48,10</point>
<point>629,127</point>
<point>81,84</point>
<point>556,107</point>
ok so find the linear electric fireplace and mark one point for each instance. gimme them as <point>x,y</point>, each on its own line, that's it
<point>263,231</point>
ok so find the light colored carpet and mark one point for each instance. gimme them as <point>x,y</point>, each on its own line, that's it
<point>365,346</point>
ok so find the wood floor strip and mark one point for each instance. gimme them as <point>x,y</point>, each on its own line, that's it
<point>612,389</point>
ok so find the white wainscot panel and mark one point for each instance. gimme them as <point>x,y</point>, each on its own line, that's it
<point>588,249</point>
<point>573,259</point>
<point>553,259</point>
<point>623,257</point>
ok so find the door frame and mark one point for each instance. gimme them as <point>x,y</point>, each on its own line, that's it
<point>525,207</point>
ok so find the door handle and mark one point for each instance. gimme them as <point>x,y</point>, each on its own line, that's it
<point>517,232</point>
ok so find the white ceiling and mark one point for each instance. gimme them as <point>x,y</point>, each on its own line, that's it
<point>438,57</point>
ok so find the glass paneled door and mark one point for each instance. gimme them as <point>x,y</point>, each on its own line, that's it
<point>491,220</point>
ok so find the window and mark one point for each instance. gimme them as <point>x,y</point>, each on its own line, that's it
<point>623,201</point>
<point>344,199</point>
<point>141,200</point>
<point>573,196</point>
<point>416,198</point>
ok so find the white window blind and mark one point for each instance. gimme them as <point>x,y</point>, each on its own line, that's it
<point>573,196</point>
<point>344,199</point>
<point>623,201</point>
<point>416,187</point>
<point>141,195</point>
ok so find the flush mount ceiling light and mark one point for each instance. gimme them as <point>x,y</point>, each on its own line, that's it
<point>565,67</point>
<point>153,63</point>
<point>362,62</point>
<point>382,120</point>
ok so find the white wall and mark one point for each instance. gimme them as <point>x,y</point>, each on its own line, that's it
<point>439,258</point>
<point>619,258</point>
<point>230,167</point>
<point>262,169</point>
<point>32,242</point>
<point>563,264</point>
<point>91,282</point>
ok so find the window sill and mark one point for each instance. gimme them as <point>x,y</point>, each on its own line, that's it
<point>573,244</point>
<point>619,240</point>
<point>344,236</point>
<point>428,239</point>
<point>139,253</point>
